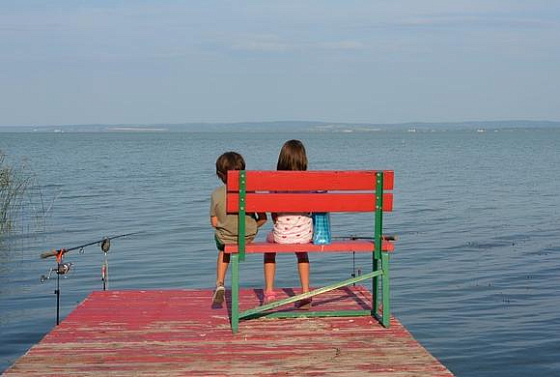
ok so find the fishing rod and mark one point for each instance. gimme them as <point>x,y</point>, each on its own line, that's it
<point>105,244</point>
<point>385,237</point>
<point>64,268</point>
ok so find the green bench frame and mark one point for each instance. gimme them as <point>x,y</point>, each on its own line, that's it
<point>313,191</point>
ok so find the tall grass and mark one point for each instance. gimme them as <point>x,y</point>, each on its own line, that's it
<point>14,183</point>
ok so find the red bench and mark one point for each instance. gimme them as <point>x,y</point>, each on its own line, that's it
<point>313,191</point>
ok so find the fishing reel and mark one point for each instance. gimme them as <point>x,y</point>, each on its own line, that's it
<point>106,244</point>
<point>60,269</point>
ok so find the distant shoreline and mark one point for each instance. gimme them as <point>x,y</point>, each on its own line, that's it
<point>300,126</point>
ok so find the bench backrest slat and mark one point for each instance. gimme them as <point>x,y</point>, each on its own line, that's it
<point>309,191</point>
<point>363,180</point>
<point>308,202</point>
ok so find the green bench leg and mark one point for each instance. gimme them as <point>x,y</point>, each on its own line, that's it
<point>375,290</point>
<point>235,293</point>
<point>386,319</point>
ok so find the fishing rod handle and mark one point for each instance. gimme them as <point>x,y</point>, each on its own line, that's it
<point>49,254</point>
<point>53,253</point>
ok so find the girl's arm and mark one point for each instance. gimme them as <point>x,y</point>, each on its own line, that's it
<point>214,221</point>
<point>261,219</point>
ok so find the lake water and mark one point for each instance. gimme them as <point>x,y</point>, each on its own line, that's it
<point>475,274</point>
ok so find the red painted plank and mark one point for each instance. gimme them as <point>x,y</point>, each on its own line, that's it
<point>335,246</point>
<point>312,180</point>
<point>308,202</point>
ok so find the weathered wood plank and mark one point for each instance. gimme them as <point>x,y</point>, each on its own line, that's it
<point>178,333</point>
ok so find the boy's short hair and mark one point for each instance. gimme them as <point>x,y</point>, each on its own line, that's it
<point>229,161</point>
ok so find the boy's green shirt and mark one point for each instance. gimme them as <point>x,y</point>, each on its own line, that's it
<point>227,228</point>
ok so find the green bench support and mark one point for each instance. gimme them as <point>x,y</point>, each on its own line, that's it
<point>313,191</point>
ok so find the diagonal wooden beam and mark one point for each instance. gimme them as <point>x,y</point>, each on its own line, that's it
<point>259,309</point>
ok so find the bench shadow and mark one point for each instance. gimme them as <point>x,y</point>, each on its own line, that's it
<point>290,292</point>
<point>349,294</point>
<point>363,304</point>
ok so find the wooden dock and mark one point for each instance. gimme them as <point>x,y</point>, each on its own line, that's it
<point>178,333</point>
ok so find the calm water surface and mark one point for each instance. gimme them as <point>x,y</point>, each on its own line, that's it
<point>476,272</point>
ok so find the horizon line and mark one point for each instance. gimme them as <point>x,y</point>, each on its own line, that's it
<point>271,122</point>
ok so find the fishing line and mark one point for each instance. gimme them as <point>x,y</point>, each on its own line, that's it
<point>353,237</point>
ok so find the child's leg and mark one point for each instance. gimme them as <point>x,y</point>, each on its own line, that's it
<point>221,267</point>
<point>269,271</point>
<point>303,269</point>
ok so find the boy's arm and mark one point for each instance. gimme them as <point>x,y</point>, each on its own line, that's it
<point>213,214</point>
<point>261,219</point>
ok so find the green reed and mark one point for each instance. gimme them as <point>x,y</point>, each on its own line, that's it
<point>14,183</point>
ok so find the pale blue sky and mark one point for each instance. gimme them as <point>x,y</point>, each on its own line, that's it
<point>139,62</point>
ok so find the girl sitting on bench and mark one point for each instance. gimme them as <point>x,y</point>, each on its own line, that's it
<point>290,228</point>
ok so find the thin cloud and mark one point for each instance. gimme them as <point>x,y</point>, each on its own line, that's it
<point>262,43</point>
<point>342,45</point>
<point>477,20</point>
<point>275,44</point>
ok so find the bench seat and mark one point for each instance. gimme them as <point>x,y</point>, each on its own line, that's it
<point>358,246</point>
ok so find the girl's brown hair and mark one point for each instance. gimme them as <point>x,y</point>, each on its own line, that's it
<point>292,156</point>
<point>229,161</point>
